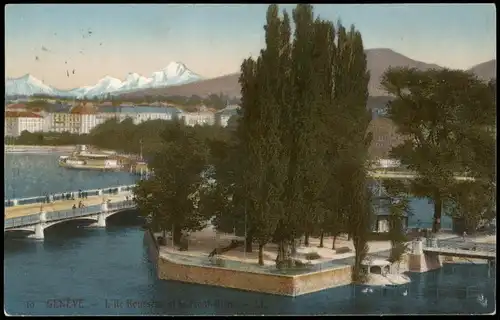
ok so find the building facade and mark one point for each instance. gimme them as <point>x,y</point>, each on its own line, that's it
<point>18,121</point>
<point>200,118</point>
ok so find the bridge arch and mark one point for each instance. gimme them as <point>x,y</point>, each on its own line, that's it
<point>77,220</point>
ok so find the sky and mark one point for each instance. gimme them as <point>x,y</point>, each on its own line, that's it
<point>213,40</point>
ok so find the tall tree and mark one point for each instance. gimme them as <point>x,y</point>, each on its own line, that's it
<point>270,155</point>
<point>440,112</point>
<point>301,124</point>
<point>351,94</point>
<point>171,196</point>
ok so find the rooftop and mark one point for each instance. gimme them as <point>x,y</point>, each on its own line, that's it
<point>21,114</point>
<point>16,106</point>
<point>137,109</point>
<point>83,109</point>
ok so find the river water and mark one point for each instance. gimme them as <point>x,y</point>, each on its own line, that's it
<point>106,271</point>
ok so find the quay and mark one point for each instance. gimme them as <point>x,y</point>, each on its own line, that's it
<point>239,270</point>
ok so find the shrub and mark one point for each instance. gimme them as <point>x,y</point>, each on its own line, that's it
<point>341,250</point>
<point>312,256</point>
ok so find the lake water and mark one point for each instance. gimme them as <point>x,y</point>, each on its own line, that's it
<point>106,271</point>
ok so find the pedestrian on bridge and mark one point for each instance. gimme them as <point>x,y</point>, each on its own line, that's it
<point>464,235</point>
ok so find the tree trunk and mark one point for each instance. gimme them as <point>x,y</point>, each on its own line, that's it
<point>349,237</point>
<point>164,234</point>
<point>438,208</point>
<point>294,247</point>
<point>321,237</point>
<point>261,254</point>
<point>334,240</point>
<point>249,242</point>
<point>306,239</point>
<point>177,235</point>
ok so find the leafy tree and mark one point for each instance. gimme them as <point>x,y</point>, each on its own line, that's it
<point>473,203</point>
<point>171,196</point>
<point>439,112</point>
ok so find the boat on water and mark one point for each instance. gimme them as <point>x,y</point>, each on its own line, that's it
<point>85,160</point>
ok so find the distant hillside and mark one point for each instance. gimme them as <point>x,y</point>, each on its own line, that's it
<point>486,70</point>
<point>378,60</point>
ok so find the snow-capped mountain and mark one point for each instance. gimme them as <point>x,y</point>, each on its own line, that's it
<point>27,85</point>
<point>175,73</point>
<point>105,85</point>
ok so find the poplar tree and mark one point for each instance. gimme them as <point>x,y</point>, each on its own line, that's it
<point>264,167</point>
<point>301,178</point>
<point>351,94</point>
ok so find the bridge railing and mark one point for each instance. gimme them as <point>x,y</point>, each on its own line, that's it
<point>465,247</point>
<point>66,214</point>
<point>63,195</point>
<point>22,221</point>
<point>72,213</point>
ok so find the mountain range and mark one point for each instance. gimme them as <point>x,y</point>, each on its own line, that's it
<point>177,79</point>
<point>378,61</point>
<point>175,73</point>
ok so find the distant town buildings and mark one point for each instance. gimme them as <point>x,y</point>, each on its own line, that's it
<point>81,118</point>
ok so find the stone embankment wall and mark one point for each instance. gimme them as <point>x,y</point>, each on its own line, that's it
<point>153,248</point>
<point>286,285</point>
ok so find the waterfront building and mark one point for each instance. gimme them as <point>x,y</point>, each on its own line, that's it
<point>138,114</point>
<point>19,121</point>
<point>62,122</point>
<point>200,118</point>
<point>85,118</point>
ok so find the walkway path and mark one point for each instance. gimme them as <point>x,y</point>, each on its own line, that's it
<point>25,210</point>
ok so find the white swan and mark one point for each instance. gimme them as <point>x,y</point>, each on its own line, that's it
<point>482,300</point>
<point>405,293</point>
<point>370,290</point>
<point>365,290</point>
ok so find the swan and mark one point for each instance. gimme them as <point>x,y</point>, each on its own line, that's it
<point>370,290</point>
<point>365,290</point>
<point>482,300</point>
<point>405,293</point>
